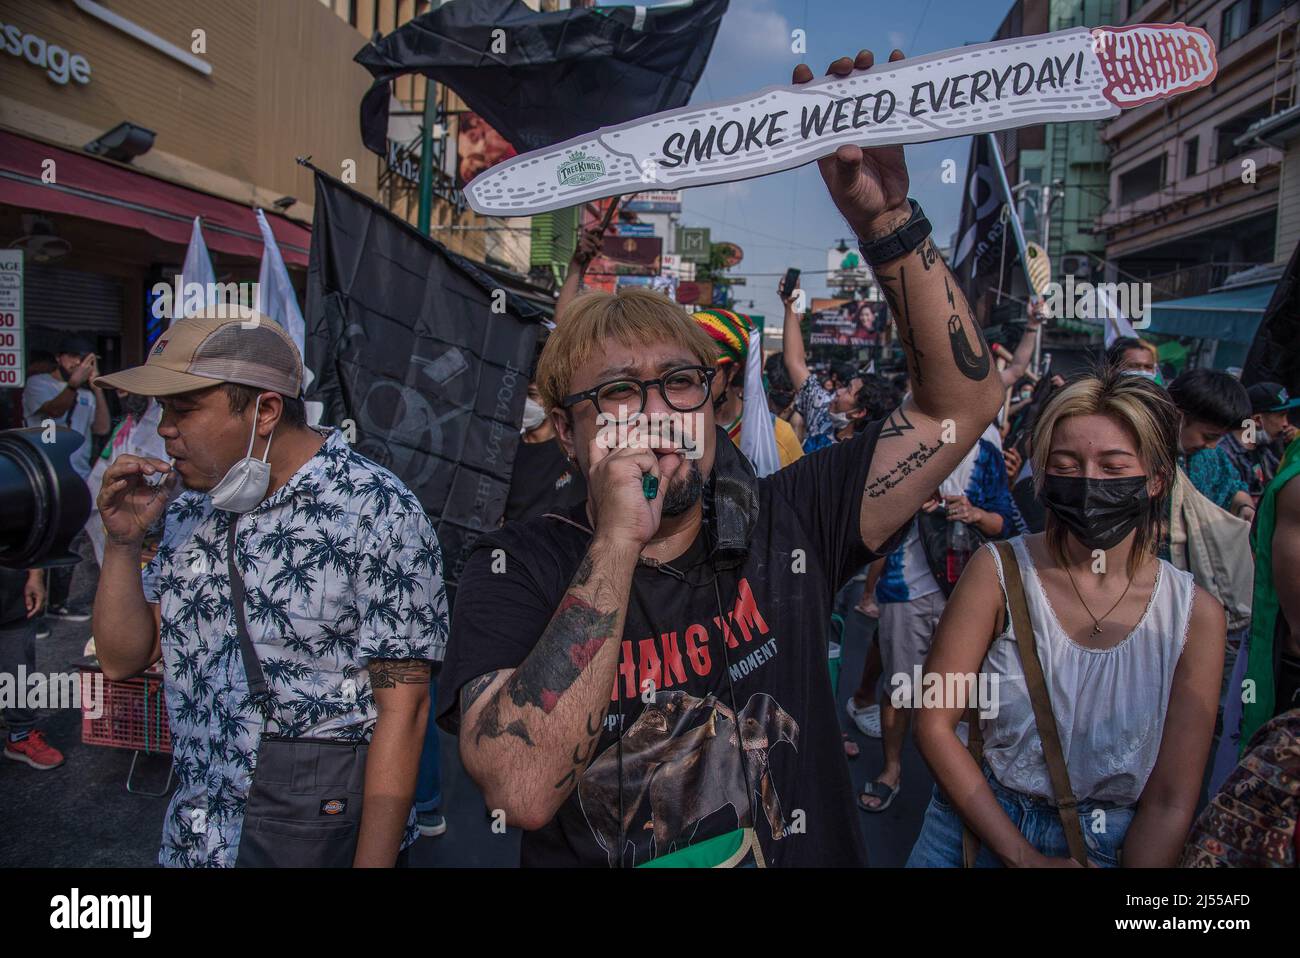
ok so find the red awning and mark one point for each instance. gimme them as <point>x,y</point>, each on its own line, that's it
<point>99,190</point>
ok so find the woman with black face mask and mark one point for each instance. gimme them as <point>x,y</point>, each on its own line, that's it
<point>1095,665</point>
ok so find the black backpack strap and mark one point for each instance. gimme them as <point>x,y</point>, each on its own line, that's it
<point>258,692</point>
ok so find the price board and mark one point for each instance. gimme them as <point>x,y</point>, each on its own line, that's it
<point>13,363</point>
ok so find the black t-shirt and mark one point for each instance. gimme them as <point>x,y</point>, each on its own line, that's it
<point>682,778</point>
<point>543,480</point>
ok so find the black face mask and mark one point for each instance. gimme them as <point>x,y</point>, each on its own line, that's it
<point>1100,512</point>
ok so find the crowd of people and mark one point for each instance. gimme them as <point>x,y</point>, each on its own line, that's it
<point>1086,592</point>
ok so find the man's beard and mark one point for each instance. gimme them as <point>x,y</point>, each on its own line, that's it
<point>682,494</point>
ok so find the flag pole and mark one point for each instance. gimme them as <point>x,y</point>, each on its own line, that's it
<point>1018,231</point>
<point>426,158</point>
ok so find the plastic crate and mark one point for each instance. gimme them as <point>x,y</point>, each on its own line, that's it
<point>134,715</point>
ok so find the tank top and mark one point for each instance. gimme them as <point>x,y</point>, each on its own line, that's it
<point>1110,704</point>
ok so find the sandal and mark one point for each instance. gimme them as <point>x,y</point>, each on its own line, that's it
<point>865,717</point>
<point>880,791</point>
<point>851,750</point>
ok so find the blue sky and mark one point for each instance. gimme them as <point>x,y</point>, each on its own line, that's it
<point>787,219</point>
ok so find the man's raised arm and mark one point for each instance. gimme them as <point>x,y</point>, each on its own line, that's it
<point>955,391</point>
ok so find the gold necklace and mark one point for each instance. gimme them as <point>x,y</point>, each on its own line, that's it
<point>1096,622</point>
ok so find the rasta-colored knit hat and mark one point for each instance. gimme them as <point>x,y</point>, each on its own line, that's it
<point>729,330</point>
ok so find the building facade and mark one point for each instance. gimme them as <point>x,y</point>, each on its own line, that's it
<point>1191,200</point>
<point>118,127</point>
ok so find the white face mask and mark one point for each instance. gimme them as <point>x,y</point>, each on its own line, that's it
<point>244,484</point>
<point>534,415</point>
<point>840,419</point>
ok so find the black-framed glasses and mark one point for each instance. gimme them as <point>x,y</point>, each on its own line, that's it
<point>684,389</point>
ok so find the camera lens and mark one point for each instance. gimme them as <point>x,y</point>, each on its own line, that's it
<point>45,502</point>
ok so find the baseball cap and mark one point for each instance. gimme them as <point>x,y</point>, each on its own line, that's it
<point>1270,397</point>
<point>75,346</point>
<point>211,348</point>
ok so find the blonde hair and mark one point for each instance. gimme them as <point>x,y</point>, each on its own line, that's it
<point>632,317</point>
<point>1147,413</point>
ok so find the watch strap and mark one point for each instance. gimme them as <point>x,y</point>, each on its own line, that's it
<point>900,242</point>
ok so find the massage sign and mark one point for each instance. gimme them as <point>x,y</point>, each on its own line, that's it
<point>1076,74</point>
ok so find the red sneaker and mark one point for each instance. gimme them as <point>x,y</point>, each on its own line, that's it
<point>35,751</point>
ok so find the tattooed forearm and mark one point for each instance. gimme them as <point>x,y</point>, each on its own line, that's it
<point>570,642</point>
<point>902,469</point>
<point>574,636</point>
<point>898,305</point>
<point>389,673</point>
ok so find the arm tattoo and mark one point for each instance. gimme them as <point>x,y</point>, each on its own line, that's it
<point>389,673</point>
<point>475,688</point>
<point>902,469</point>
<point>489,724</point>
<point>899,307</point>
<point>566,648</point>
<point>571,640</point>
<point>582,753</point>
<point>970,364</point>
<point>895,425</point>
<point>584,571</point>
<point>929,254</point>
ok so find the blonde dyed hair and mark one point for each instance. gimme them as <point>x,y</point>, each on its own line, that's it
<point>630,317</point>
<point>1147,414</point>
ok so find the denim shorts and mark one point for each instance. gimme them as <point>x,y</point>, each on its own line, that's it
<point>1104,826</point>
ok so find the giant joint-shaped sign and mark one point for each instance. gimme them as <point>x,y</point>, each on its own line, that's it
<point>1076,74</point>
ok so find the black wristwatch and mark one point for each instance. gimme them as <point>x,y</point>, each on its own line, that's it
<point>902,241</point>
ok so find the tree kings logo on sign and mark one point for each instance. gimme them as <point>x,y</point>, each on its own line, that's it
<point>579,168</point>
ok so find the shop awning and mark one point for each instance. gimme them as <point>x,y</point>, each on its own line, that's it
<point>98,190</point>
<point>1230,315</point>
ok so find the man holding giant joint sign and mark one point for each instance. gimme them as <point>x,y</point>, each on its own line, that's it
<point>643,678</point>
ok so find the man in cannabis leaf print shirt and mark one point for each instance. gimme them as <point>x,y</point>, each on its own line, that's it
<point>341,566</point>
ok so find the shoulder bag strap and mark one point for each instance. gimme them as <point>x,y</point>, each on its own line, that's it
<point>257,688</point>
<point>1044,718</point>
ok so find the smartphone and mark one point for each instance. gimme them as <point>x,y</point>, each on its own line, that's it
<point>787,284</point>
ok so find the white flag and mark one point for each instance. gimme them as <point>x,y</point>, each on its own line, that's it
<point>1115,324</point>
<point>757,431</point>
<point>276,299</point>
<point>197,269</point>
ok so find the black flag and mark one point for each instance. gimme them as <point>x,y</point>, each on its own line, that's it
<point>539,78</point>
<point>984,239</point>
<point>1274,356</point>
<point>427,360</point>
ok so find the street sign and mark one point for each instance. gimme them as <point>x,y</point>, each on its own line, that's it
<point>693,243</point>
<point>13,363</point>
